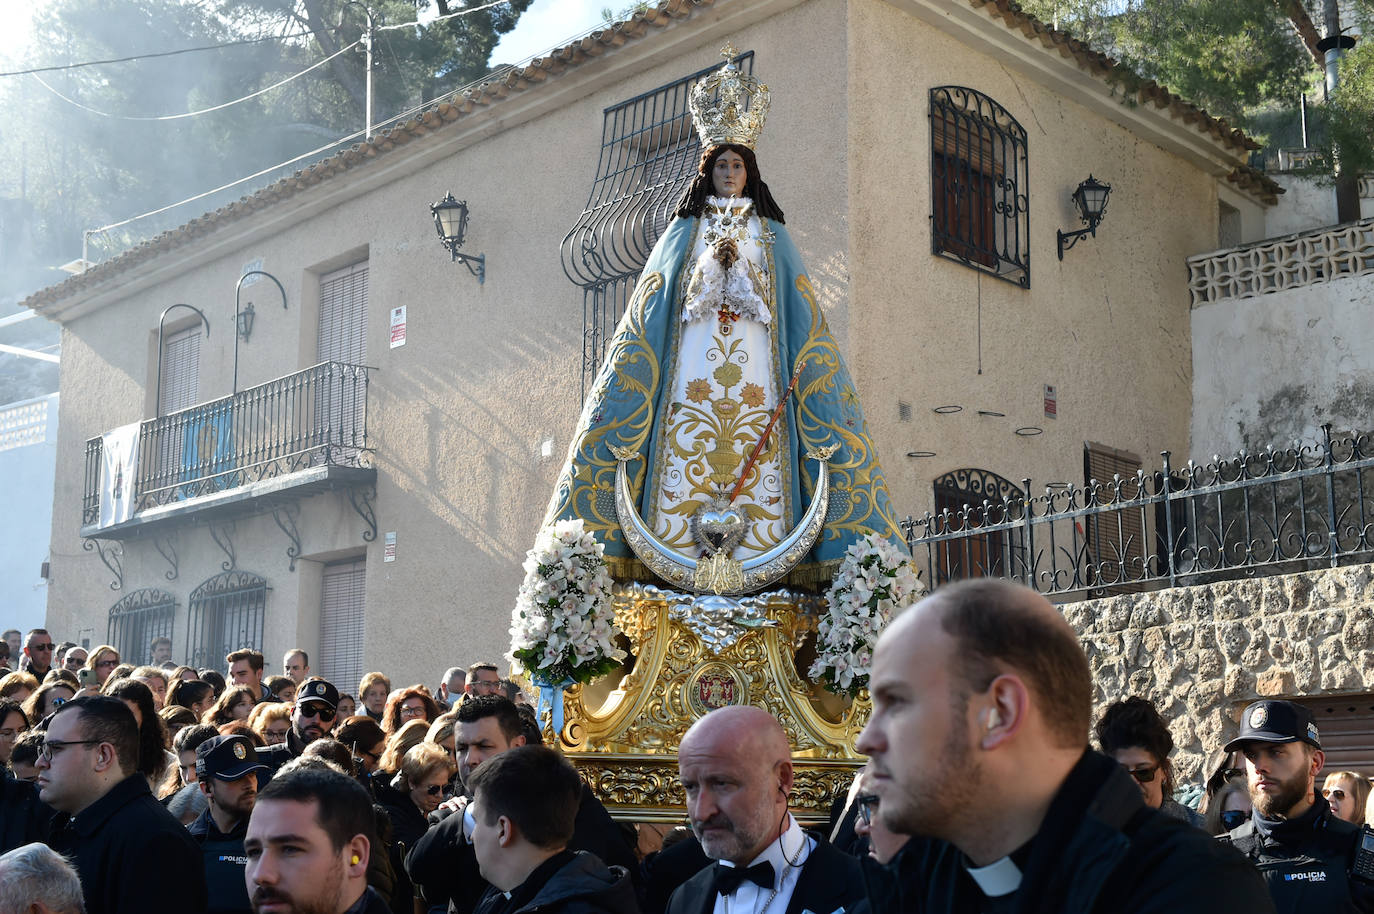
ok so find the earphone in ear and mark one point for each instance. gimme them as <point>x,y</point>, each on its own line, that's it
<point>994,718</point>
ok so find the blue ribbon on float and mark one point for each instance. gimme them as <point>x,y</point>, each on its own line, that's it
<point>551,697</point>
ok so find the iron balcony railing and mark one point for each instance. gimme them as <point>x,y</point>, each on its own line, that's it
<point>1275,512</point>
<point>312,418</point>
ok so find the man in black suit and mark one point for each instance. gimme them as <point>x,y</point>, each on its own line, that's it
<point>736,767</point>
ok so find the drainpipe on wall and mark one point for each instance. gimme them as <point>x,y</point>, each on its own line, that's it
<point>1333,46</point>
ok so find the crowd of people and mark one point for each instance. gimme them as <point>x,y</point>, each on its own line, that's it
<point>129,788</point>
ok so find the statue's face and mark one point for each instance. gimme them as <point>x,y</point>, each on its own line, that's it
<point>729,175</point>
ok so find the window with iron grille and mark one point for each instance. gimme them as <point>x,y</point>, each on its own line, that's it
<point>342,606</point>
<point>963,494</point>
<point>649,153</point>
<point>979,184</point>
<point>226,613</point>
<point>139,618</point>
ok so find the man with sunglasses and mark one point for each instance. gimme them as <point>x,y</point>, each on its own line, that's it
<point>38,648</point>
<point>1304,852</point>
<point>132,854</point>
<point>227,774</point>
<point>316,707</point>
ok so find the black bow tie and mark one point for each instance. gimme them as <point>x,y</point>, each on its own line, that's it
<point>730,878</point>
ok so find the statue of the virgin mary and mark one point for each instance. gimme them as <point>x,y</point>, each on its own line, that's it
<point>721,330</point>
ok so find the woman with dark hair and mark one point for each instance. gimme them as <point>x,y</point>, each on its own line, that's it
<point>404,705</point>
<point>722,340</point>
<point>234,704</point>
<point>216,681</point>
<point>155,760</point>
<point>193,694</point>
<point>364,738</point>
<point>1133,733</point>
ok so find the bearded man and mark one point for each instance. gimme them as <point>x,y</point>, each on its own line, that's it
<point>1304,852</point>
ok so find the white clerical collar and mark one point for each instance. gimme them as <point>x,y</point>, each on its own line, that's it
<point>789,851</point>
<point>1001,877</point>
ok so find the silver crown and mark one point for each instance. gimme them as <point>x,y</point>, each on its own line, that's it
<point>738,114</point>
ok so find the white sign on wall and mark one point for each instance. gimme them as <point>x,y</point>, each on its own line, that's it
<point>398,326</point>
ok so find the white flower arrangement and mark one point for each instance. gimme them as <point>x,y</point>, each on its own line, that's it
<point>562,628</point>
<point>875,579</point>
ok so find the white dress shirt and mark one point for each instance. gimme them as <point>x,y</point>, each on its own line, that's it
<point>793,845</point>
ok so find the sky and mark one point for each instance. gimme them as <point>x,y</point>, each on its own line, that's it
<point>547,24</point>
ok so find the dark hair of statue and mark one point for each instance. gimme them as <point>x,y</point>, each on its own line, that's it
<point>703,185</point>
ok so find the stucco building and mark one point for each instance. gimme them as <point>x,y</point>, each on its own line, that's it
<point>925,153</point>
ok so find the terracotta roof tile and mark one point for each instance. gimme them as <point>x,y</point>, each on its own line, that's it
<point>522,79</point>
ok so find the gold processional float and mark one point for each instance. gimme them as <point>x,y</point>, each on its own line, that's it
<point>705,631</point>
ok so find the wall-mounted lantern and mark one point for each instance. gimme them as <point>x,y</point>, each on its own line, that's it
<point>451,222</point>
<point>1090,199</point>
<point>243,317</point>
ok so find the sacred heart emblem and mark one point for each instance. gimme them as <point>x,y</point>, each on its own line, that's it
<point>720,527</point>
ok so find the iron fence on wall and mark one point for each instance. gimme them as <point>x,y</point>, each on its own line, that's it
<point>314,417</point>
<point>1272,512</point>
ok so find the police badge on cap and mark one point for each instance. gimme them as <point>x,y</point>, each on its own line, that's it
<point>321,690</point>
<point>1276,722</point>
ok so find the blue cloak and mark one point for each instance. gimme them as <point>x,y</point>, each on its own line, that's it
<point>629,399</point>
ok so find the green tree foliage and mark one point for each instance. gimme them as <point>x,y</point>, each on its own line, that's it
<point>101,154</point>
<point>1227,56</point>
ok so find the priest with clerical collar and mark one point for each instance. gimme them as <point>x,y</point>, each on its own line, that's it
<point>977,748</point>
<point>736,768</point>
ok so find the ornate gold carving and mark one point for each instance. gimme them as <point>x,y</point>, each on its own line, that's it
<point>650,710</point>
<point>719,573</point>
<point>640,788</point>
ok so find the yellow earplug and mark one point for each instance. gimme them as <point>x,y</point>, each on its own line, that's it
<point>356,859</point>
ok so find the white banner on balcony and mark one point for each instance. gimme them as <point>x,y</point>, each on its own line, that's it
<point>118,470</point>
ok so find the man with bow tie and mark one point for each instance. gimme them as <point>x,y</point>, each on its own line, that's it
<point>736,767</point>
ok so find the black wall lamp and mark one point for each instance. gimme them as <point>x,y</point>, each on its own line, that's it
<point>243,317</point>
<point>451,222</point>
<point>1090,199</point>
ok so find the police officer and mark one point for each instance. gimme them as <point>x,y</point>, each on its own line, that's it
<point>312,718</point>
<point>1304,852</point>
<point>227,771</point>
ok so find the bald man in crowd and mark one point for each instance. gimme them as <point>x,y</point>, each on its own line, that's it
<point>978,747</point>
<point>736,767</point>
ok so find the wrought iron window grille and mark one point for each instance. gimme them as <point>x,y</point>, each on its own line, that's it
<point>137,619</point>
<point>649,153</point>
<point>980,210</point>
<point>315,417</point>
<point>226,613</point>
<point>1275,512</point>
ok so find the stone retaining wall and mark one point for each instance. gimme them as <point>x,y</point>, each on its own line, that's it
<point>1202,653</point>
